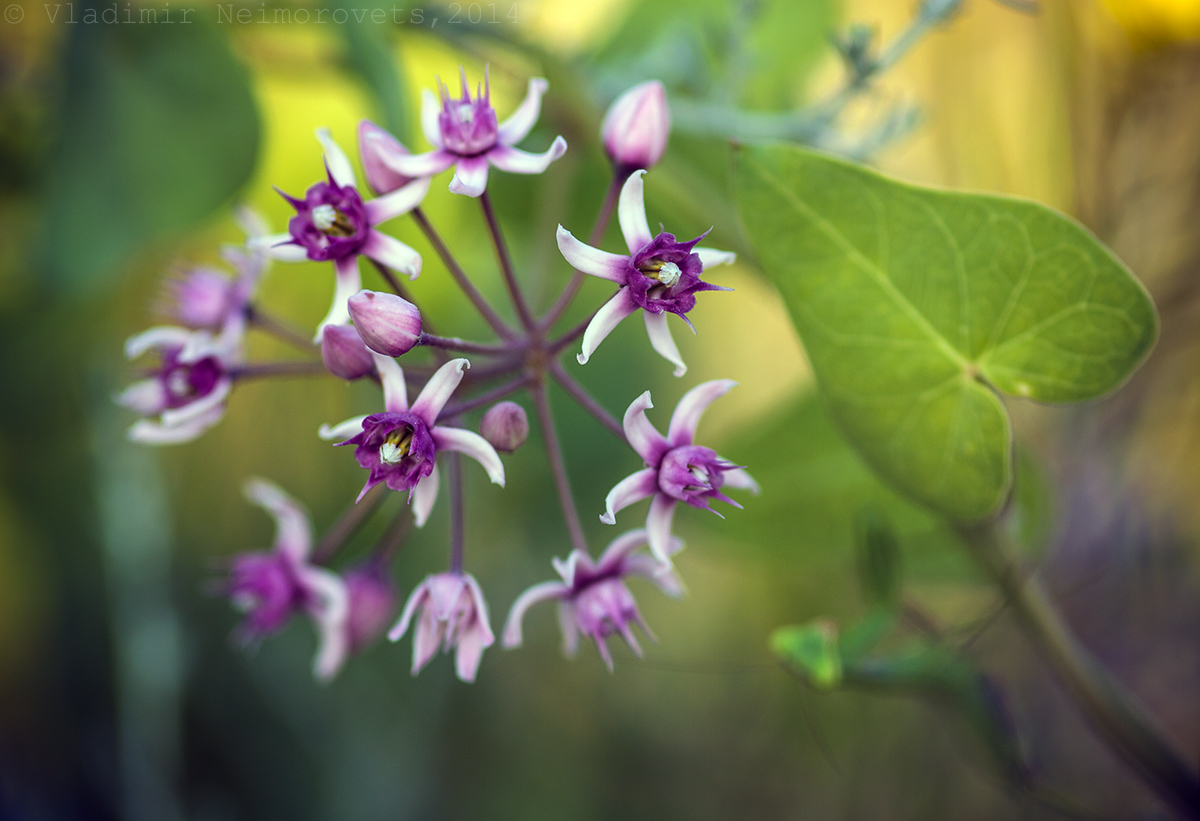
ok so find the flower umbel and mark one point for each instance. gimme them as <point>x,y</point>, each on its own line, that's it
<point>660,275</point>
<point>465,133</point>
<point>677,470</point>
<point>592,596</point>
<point>399,446</point>
<point>271,586</point>
<point>453,614</point>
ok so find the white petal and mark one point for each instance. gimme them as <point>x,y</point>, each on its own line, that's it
<point>662,341</point>
<point>630,490</point>
<point>692,406</point>
<point>213,400</point>
<point>473,445</point>
<point>410,607</point>
<point>336,160</point>
<point>631,213</point>
<point>393,253</point>
<point>329,615</point>
<point>664,578</point>
<point>400,201</point>
<point>470,176</point>
<point>160,337</point>
<point>279,246</point>
<point>569,625</point>
<point>522,121</point>
<point>739,479</point>
<point>391,375</point>
<point>588,260</point>
<point>293,530</point>
<point>424,495</point>
<point>431,107</point>
<point>643,436</point>
<point>347,282</point>
<point>438,389</point>
<point>658,527</point>
<point>619,548</point>
<point>145,398</point>
<point>545,591</point>
<point>420,165</point>
<point>146,432</point>
<point>342,430</point>
<point>516,161</point>
<point>602,324</point>
<point>711,256</point>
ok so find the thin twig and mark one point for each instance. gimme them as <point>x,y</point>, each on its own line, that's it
<point>260,370</point>
<point>459,275</point>
<point>393,538</point>
<point>570,336</point>
<point>453,343</point>
<point>554,454</point>
<point>278,328</point>
<point>484,399</point>
<point>589,403</point>
<point>347,523</point>
<point>456,513</point>
<point>506,266</point>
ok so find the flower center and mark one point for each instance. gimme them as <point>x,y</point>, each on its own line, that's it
<point>396,446</point>
<point>332,222</point>
<point>466,113</point>
<point>668,273</point>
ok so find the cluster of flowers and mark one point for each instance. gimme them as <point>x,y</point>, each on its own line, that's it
<point>406,446</point>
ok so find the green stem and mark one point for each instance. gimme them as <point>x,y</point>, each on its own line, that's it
<point>1112,711</point>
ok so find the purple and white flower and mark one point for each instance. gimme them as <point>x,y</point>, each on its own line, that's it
<point>399,446</point>
<point>592,596</point>
<point>271,586</point>
<point>659,276</point>
<point>188,388</point>
<point>677,470</point>
<point>464,133</point>
<point>334,224</point>
<point>453,615</point>
<point>204,297</point>
<point>636,127</point>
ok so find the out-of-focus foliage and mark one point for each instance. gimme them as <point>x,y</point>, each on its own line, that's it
<point>157,128</point>
<point>916,306</point>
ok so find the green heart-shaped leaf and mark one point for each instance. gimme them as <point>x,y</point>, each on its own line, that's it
<point>917,306</point>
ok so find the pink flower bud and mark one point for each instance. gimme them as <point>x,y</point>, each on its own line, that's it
<point>387,324</point>
<point>344,353</point>
<point>201,297</point>
<point>372,603</point>
<point>505,426</point>
<point>636,126</point>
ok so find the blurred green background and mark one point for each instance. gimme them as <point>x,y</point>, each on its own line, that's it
<point>122,148</point>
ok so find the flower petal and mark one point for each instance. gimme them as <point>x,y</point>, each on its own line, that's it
<point>739,479</point>
<point>424,495</point>
<point>400,201</point>
<point>682,430</point>
<point>336,160</point>
<point>664,578</point>
<point>569,624</point>
<point>662,341</point>
<point>473,445</point>
<point>393,253</point>
<point>278,246</point>
<point>711,256</point>
<point>163,336</point>
<point>391,376</point>
<point>602,324</point>
<point>516,161</point>
<point>643,436</point>
<point>329,615</point>
<point>293,530</point>
<point>426,639</point>
<point>658,527</point>
<point>521,121</point>
<point>588,260</point>
<point>431,107</point>
<point>146,397</point>
<point>342,430</point>
<point>147,432</point>
<point>620,548</point>
<point>415,598</point>
<point>346,283</point>
<point>438,389</point>
<point>630,490</point>
<point>470,176</point>
<point>420,165</point>
<point>631,213</point>
<point>545,591</point>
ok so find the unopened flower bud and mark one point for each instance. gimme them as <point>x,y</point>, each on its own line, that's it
<point>388,324</point>
<point>372,603</point>
<point>505,426</point>
<point>344,353</point>
<point>200,297</point>
<point>636,126</point>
